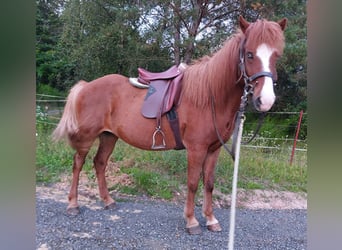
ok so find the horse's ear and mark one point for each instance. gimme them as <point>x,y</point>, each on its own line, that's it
<point>243,24</point>
<point>283,23</point>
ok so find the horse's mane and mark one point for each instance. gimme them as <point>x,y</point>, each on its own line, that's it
<point>212,74</point>
<point>217,74</point>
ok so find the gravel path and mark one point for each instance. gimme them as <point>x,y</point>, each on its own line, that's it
<point>149,224</point>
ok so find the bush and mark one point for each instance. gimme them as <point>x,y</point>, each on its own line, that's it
<point>47,90</point>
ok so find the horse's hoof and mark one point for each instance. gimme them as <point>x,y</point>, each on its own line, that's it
<point>73,210</point>
<point>214,227</point>
<point>194,230</point>
<point>110,206</point>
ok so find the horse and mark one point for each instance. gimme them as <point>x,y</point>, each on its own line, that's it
<point>109,108</point>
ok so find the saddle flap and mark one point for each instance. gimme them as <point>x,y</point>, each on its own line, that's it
<point>153,102</point>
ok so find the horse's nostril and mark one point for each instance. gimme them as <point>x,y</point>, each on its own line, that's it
<point>258,101</point>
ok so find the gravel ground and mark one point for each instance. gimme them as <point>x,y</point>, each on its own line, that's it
<point>146,224</point>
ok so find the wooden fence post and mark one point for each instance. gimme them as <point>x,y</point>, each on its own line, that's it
<point>296,136</point>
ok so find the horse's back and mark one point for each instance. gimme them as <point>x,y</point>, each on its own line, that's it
<point>102,90</point>
<point>105,83</point>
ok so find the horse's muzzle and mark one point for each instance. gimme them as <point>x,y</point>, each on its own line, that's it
<point>264,104</point>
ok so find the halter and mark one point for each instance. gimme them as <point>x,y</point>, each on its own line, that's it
<point>249,79</point>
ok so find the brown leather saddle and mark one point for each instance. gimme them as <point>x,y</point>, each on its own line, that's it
<point>161,99</point>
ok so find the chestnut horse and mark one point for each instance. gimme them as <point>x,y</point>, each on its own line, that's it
<point>109,108</point>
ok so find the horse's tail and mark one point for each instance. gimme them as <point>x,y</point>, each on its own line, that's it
<point>68,123</point>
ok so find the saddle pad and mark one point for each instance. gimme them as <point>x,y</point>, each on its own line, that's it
<point>153,102</point>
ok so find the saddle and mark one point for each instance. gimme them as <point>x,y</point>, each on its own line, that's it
<point>161,99</point>
<point>163,92</point>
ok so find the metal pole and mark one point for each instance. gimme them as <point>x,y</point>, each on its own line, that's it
<point>296,136</point>
<point>234,186</point>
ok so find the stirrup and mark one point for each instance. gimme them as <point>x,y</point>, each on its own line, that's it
<point>161,146</point>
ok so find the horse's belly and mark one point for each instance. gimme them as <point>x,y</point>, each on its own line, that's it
<point>129,125</point>
<point>138,132</point>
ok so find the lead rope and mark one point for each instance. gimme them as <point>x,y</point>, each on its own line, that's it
<point>240,119</point>
<point>235,153</point>
<point>234,185</point>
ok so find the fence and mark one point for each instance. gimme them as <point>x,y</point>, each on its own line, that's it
<point>277,135</point>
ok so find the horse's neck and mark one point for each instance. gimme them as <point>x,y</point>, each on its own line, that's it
<point>232,101</point>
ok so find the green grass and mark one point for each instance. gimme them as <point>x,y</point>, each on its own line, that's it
<point>54,159</point>
<point>152,183</point>
<point>265,169</point>
<point>51,159</point>
<point>161,174</point>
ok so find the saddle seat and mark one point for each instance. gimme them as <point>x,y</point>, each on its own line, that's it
<point>147,76</point>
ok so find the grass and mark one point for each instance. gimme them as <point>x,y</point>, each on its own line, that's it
<point>152,183</point>
<point>161,174</point>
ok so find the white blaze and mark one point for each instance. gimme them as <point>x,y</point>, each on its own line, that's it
<point>267,96</point>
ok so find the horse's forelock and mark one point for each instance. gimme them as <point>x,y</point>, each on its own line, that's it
<point>267,32</point>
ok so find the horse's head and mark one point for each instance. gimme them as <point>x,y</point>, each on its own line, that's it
<point>263,44</point>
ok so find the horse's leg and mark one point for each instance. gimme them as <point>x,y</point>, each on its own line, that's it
<point>107,143</point>
<point>195,163</point>
<point>208,181</point>
<point>79,159</point>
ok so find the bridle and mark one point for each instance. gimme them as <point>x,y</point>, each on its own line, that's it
<point>249,79</point>
<point>247,91</point>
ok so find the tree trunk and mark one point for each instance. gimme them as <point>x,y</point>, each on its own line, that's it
<point>189,51</point>
<point>177,35</point>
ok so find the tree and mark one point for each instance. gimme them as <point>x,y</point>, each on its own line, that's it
<point>190,28</point>
<point>48,29</point>
<point>102,37</point>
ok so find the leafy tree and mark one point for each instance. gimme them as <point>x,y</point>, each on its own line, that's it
<point>48,29</point>
<point>102,37</point>
<point>189,28</point>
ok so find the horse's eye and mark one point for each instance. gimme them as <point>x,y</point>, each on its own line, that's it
<point>250,55</point>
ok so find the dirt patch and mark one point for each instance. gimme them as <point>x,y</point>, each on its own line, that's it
<point>251,199</point>
<point>264,199</point>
